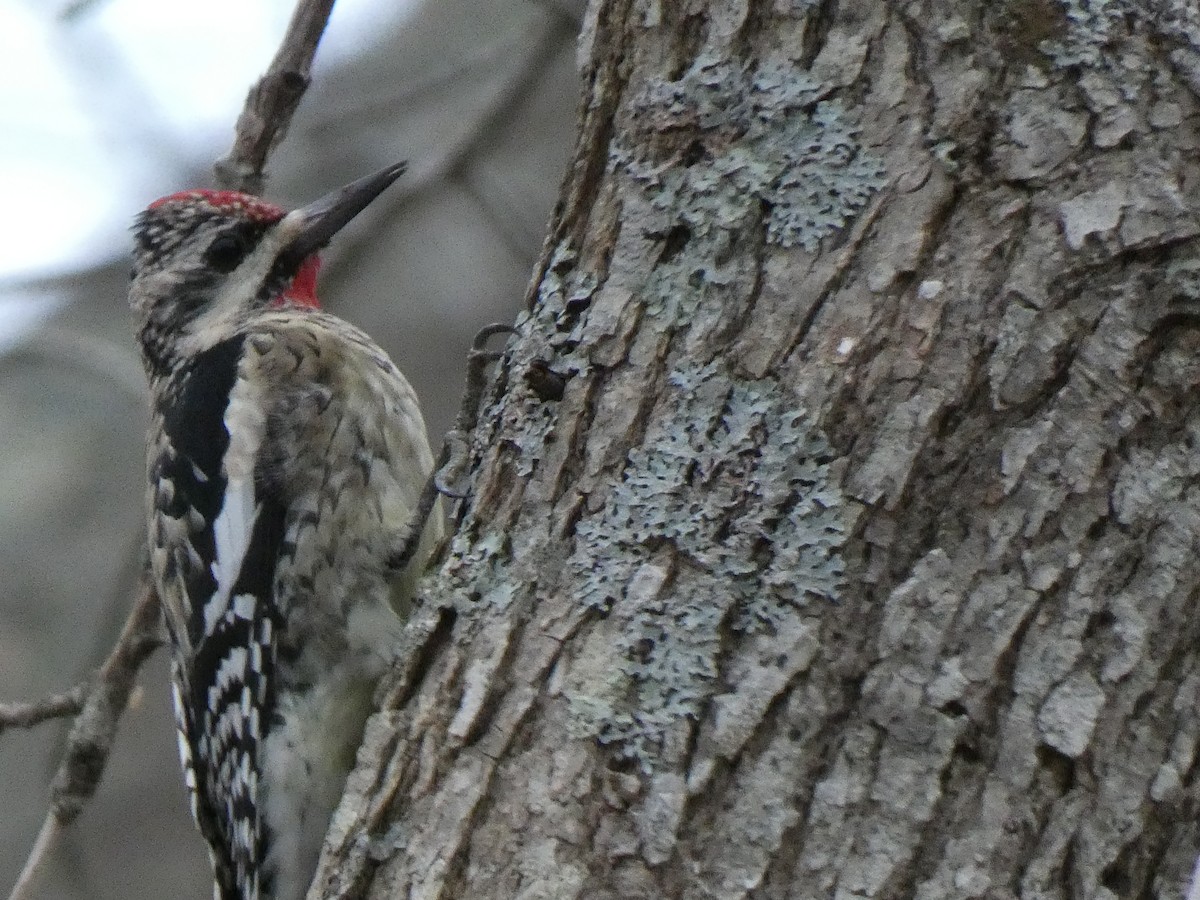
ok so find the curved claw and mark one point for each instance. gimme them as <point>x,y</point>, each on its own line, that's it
<point>487,332</point>
<point>453,469</point>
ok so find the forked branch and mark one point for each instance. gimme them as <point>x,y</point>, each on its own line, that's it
<point>100,703</point>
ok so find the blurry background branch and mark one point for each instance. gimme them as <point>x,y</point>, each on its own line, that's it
<point>530,58</point>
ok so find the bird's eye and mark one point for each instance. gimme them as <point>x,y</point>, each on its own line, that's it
<point>226,252</point>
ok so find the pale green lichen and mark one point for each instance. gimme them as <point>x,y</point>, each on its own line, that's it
<point>480,573</point>
<point>1092,27</point>
<point>745,490</point>
<point>1099,34</point>
<point>732,481</point>
<point>1183,277</point>
<point>539,423</point>
<point>774,148</point>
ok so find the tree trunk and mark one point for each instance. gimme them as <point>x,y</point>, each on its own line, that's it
<point>834,513</point>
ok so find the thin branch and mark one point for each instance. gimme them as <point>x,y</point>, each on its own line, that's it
<point>92,734</point>
<point>46,840</point>
<point>273,100</point>
<point>56,706</point>
<point>91,737</point>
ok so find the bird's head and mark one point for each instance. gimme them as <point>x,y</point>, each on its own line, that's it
<point>205,260</point>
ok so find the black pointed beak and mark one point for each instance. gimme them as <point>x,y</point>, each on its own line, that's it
<point>316,223</point>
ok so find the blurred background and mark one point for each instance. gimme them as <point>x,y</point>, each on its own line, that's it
<point>108,104</point>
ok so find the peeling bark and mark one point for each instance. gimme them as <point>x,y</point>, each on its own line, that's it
<point>854,559</point>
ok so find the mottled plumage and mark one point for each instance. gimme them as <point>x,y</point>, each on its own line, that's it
<point>286,457</point>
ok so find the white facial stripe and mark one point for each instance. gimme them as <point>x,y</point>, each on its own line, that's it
<point>238,294</point>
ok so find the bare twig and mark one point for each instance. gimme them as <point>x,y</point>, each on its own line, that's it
<point>92,734</point>
<point>273,99</point>
<point>47,838</point>
<point>93,731</point>
<point>56,706</point>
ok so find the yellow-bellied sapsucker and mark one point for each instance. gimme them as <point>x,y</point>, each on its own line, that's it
<point>286,458</point>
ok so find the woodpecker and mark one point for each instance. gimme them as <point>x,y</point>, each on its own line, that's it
<point>286,457</point>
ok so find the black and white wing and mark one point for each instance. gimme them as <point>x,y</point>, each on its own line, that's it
<point>217,541</point>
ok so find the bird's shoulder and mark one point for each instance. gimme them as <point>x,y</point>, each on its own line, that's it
<point>311,340</point>
<point>316,360</point>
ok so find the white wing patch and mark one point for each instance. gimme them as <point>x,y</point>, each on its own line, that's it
<point>234,526</point>
<point>231,535</point>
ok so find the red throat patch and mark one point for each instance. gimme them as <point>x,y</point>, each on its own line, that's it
<point>303,289</point>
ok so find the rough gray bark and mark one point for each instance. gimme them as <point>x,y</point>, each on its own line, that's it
<point>834,517</point>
